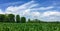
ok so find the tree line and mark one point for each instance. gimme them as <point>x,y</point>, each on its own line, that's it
<point>15,18</point>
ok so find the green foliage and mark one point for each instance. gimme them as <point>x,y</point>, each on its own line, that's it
<point>23,19</point>
<point>17,18</point>
<point>6,18</point>
<point>29,26</point>
<point>11,18</point>
<point>34,21</point>
<point>2,18</point>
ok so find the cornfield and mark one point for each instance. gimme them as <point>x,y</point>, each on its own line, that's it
<point>29,26</point>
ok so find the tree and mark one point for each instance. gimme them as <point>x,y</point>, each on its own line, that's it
<point>11,18</point>
<point>29,20</point>
<point>2,18</point>
<point>17,18</point>
<point>6,18</point>
<point>23,19</point>
<point>34,21</point>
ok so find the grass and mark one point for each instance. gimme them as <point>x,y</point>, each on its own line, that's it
<point>29,26</point>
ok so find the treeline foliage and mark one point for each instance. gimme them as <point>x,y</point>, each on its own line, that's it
<point>34,21</point>
<point>17,19</point>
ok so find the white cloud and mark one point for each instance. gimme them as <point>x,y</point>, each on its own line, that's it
<point>25,12</point>
<point>46,8</point>
<point>33,15</point>
<point>43,8</point>
<point>12,9</point>
<point>49,13</point>
<point>50,16</point>
<point>22,9</point>
<point>37,14</point>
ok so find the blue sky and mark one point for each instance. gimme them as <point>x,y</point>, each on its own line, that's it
<point>46,10</point>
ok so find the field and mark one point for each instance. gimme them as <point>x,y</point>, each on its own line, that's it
<point>29,26</point>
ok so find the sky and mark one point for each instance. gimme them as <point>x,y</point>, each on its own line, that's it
<point>45,10</point>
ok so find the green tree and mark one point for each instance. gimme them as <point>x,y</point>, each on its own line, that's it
<point>29,20</point>
<point>34,21</point>
<point>17,18</point>
<point>6,18</point>
<point>2,18</point>
<point>11,18</point>
<point>23,19</point>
